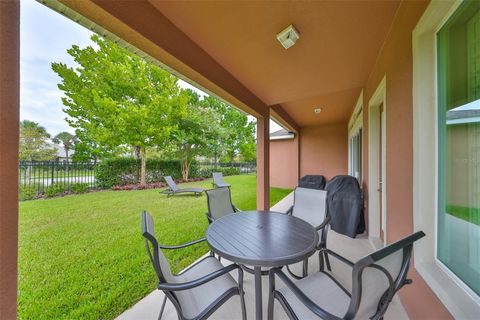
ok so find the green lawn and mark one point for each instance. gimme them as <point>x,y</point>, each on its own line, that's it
<point>83,256</point>
<point>471,215</point>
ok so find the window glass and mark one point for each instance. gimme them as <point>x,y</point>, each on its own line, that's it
<point>459,144</point>
<point>355,155</point>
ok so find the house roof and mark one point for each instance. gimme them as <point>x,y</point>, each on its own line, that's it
<point>281,134</point>
<point>467,113</point>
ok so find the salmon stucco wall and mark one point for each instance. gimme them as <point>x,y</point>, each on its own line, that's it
<point>395,62</point>
<point>324,150</point>
<point>284,163</point>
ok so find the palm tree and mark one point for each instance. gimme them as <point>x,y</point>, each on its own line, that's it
<point>67,140</point>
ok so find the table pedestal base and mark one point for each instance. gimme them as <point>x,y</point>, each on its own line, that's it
<point>258,293</point>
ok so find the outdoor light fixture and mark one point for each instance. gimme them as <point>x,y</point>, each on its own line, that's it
<point>317,110</point>
<point>288,36</point>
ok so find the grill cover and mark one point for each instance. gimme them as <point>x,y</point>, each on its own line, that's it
<point>345,206</point>
<point>312,182</point>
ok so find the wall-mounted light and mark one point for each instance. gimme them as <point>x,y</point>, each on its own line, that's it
<point>288,36</point>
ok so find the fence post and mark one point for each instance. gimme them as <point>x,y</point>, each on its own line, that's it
<point>53,172</point>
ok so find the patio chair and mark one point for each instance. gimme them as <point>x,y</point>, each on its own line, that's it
<point>375,280</point>
<point>200,289</point>
<point>173,189</point>
<point>219,202</point>
<point>218,181</point>
<point>310,205</point>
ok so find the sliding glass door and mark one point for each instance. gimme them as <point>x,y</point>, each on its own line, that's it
<point>458,243</point>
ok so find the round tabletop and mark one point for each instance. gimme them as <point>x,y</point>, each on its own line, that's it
<point>262,238</point>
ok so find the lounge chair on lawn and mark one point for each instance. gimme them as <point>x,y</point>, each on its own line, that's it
<point>218,181</point>
<point>173,189</point>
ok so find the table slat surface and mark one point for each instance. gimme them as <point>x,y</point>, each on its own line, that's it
<point>259,238</point>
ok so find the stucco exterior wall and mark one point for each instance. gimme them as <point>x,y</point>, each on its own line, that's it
<point>284,163</point>
<point>324,150</point>
<point>395,62</point>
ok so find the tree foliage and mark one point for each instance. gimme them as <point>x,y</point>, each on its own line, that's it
<point>195,133</point>
<point>237,136</point>
<point>118,99</point>
<point>34,142</point>
<point>87,149</point>
<point>67,140</point>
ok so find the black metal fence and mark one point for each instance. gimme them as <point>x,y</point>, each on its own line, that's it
<point>41,174</point>
<point>242,167</point>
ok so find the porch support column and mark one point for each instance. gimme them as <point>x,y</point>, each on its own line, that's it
<point>297,156</point>
<point>263,162</point>
<point>9,118</point>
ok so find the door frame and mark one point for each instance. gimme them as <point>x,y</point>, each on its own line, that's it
<point>378,98</point>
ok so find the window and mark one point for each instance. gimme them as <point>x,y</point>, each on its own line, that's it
<point>355,155</point>
<point>458,233</point>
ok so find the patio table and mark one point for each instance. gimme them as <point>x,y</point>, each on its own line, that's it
<point>262,239</point>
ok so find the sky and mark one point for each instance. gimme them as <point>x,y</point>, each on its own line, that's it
<point>45,37</point>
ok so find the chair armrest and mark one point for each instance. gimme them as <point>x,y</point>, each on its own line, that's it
<point>323,314</point>
<point>339,257</point>
<point>209,218</point>
<point>183,245</point>
<point>197,282</point>
<point>289,211</point>
<point>324,223</point>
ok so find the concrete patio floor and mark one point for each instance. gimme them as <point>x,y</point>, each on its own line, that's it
<point>353,249</point>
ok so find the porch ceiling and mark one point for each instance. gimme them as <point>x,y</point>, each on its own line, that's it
<point>338,46</point>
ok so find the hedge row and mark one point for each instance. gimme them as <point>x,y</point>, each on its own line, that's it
<point>126,171</point>
<point>226,171</point>
<point>123,171</point>
<point>29,192</point>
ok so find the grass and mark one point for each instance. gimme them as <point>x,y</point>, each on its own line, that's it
<point>471,215</point>
<point>83,257</point>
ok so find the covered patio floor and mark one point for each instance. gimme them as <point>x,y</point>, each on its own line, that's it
<point>353,249</point>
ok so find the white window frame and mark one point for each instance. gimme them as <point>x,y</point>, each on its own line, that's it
<point>355,124</point>
<point>458,298</point>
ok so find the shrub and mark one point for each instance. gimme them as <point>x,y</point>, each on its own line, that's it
<point>125,171</point>
<point>154,185</point>
<point>54,189</point>
<point>226,171</point>
<point>79,187</point>
<point>27,192</point>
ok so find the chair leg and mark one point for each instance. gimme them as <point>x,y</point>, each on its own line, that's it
<point>163,307</point>
<point>305,268</point>
<point>271,301</point>
<point>327,261</point>
<point>320,261</point>
<point>242,294</point>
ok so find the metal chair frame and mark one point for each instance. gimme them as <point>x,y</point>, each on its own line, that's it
<point>321,245</point>
<point>405,244</point>
<point>169,289</point>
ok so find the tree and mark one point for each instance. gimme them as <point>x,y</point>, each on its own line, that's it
<point>117,99</point>
<point>195,133</point>
<point>237,132</point>
<point>34,142</point>
<point>67,140</point>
